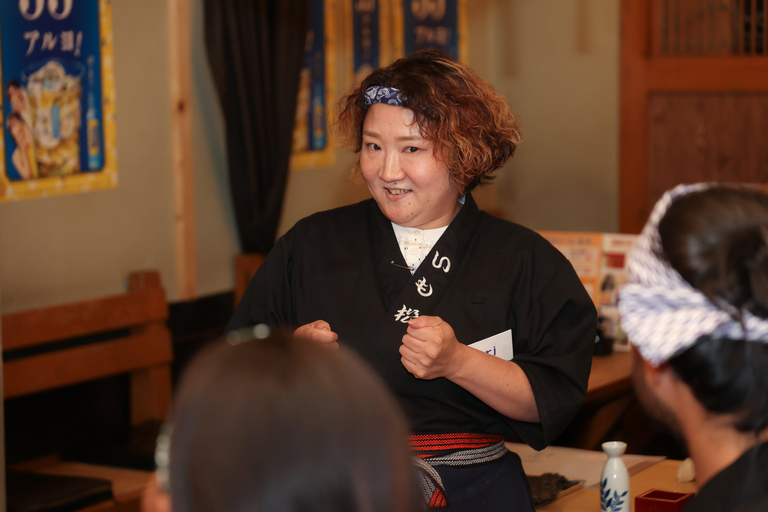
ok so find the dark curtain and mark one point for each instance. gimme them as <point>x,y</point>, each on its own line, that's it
<point>255,49</point>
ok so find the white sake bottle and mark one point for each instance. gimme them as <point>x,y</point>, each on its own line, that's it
<point>614,483</point>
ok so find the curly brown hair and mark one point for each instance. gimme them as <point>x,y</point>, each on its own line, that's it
<point>471,125</point>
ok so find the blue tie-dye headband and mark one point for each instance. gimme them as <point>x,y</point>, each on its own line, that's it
<point>386,95</point>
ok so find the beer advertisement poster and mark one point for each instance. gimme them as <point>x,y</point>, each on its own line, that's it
<point>58,100</point>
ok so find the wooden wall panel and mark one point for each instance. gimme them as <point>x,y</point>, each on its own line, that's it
<point>694,81</point>
<point>708,27</point>
<point>700,137</point>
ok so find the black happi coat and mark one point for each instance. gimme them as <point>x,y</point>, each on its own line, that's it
<point>484,276</point>
<point>741,487</point>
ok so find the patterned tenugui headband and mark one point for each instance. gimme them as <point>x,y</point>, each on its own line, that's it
<point>661,313</point>
<point>387,95</point>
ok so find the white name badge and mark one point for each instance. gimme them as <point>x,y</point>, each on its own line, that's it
<point>499,345</point>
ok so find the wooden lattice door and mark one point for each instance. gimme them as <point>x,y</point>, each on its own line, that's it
<point>694,97</point>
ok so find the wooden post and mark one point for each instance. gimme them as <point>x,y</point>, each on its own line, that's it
<point>635,47</point>
<point>151,388</point>
<point>181,128</point>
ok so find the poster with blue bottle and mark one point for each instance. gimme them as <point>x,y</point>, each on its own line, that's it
<point>58,104</point>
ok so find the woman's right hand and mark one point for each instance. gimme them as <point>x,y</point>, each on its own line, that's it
<point>319,331</point>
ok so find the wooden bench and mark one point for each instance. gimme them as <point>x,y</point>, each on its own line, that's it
<point>142,349</point>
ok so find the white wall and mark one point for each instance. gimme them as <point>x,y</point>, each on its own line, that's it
<point>557,63</point>
<point>217,241</point>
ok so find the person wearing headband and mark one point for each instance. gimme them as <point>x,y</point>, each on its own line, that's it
<point>479,326</point>
<point>271,422</point>
<point>695,307</point>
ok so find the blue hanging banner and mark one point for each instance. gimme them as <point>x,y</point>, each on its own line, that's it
<point>312,145</point>
<point>431,24</point>
<point>314,60</point>
<point>58,97</point>
<point>366,37</point>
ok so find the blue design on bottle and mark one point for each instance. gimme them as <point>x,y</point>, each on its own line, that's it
<point>611,503</point>
<point>56,121</point>
<point>95,159</point>
<point>93,125</point>
<point>318,136</point>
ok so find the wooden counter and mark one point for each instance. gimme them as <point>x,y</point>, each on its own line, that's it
<point>127,484</point>
<point>610,375</point>
<point>662,475</point>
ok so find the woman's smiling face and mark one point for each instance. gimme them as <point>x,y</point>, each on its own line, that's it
<point>408,181</point>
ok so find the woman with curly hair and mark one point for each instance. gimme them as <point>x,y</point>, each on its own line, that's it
<point>479,326</point>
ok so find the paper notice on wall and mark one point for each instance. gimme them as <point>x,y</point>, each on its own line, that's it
<point>613,274</point>
<point>584,251</point>
<point>600,260</point>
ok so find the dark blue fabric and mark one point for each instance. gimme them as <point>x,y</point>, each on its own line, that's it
<point>496,486</point>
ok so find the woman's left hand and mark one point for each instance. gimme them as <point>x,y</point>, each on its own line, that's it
<point>430,348</point>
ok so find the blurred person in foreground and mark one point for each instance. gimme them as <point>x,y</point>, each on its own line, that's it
<point>282,424</point>
<point>695,308</point>
<point>479,326</point>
